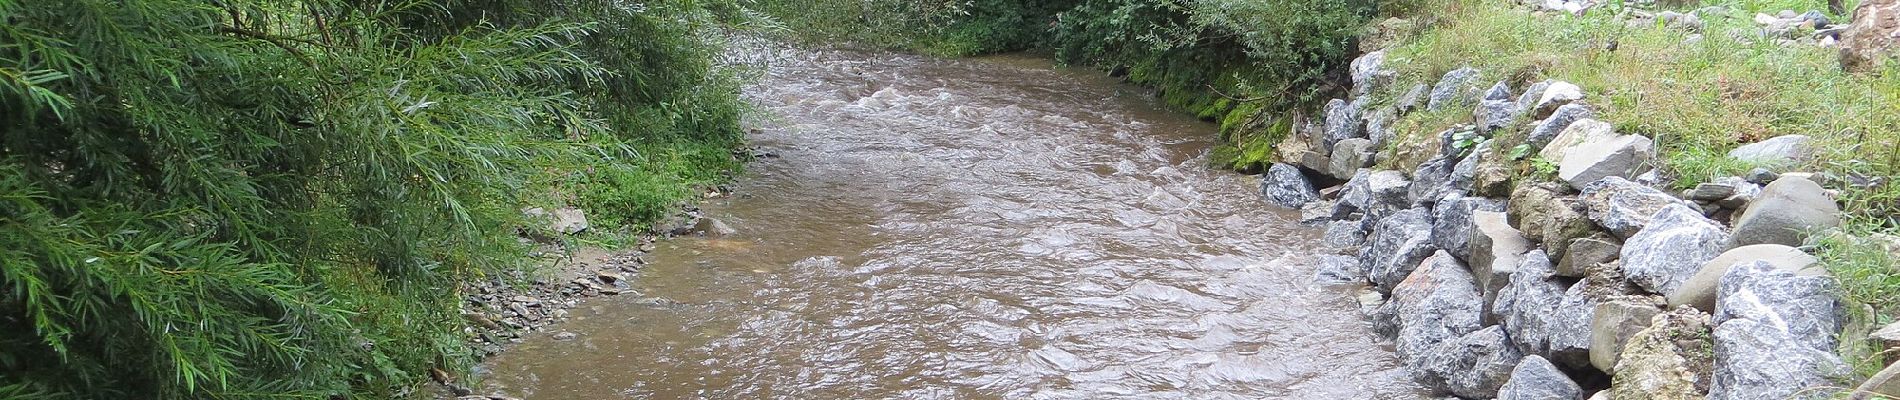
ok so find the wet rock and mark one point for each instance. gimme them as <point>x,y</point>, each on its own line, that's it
<point>1344,236</point>
<point>1700,290</point>
<point>1456,88</point>
<point>1339,270</point>
<point>1369,73</point>
<point>1873,36</point>
<point>1399,243</point>
<point>1349,155</point>
<point>1475,365</point>
<point>1548,128</point>
<point>1322,211</point>
<point>1778,151</point>
<point>1669,360</point>
<point>1548,217</point>
<point>1535,378</point>
<point>1583,253</point>
<point>1671,248</point>
<point>1453,226</point>
<point>565,336</point>
<point>1624,207</point>
<point>1590,161</point>
<point>1497,250</point>
<point>710,227</point>
<point>1581,131</point>
<point>1612,324</point>
<point>1342,122</point>
<point>1557,95</point>
<point>1284,186</point>
<point>1785,212</point>
<point>1430,182</point>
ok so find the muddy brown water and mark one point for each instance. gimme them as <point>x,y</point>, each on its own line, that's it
<point>983,228</point>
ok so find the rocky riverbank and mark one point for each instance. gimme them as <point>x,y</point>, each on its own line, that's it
<point>1552,264</point>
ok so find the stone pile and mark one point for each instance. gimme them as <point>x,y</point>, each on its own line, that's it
<point>1491,288</point>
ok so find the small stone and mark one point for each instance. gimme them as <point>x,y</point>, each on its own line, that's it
<point>1410,100</point>
<point>1588,162</point>
<point>1344,236</point>
<point>1710,192</point>
<point>1761,176</point>
<point>1559,94</point>
<point>1492,115</point>
<point>1369,73</point>
<point>712,227</point>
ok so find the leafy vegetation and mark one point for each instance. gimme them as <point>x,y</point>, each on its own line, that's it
<point>239,199</point>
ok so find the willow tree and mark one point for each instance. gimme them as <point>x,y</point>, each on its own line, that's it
<point>254,198</point>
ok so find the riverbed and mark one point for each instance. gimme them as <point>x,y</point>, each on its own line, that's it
<point>986,228</point>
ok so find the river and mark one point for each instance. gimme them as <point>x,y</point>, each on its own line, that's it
<point>987,228</point>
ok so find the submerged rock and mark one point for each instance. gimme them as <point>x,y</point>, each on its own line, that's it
<point>1283,185</point>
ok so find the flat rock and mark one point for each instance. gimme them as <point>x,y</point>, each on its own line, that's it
<point>1557,95</point>
<point>1778,151</point>
<point>1535,378</point>
<point>1611,326</point>
<point>1284,186</point>
<point>1700,290</point>
<point>1399,242</point>
<point>1453,226</point>
<point>1785,213</point>
<point>1586,130</point>
<point>1671,248</point>
<point>1583,253</point>
<point>1497,250</point>
<point>1624,207</point>
<point>1349,155</point>
<point>1587,162</point>
<point>1547,129</point>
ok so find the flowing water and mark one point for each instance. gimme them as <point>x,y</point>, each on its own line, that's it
<point>971,229</point>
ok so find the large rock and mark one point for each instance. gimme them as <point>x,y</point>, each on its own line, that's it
<point>1777,151</point>
<point>1456,88</point>
<point>1409,101</point>
<point>1785,213</point>
<point>1542,316</point>
<point>1587,130</point>
<point>1379,193</point>
<point>1344,236</point>
<point>1339,270</point>
<point>1611,326</point>
<point>1873,37</point>
<point>1492,115</point>
<point>1436,304</point>
<point>1625,155</point>
<point>1624,207</point>
<point>1473,366</point>
<point>1584,253</point>
<point>1548,217</point>
<point>1699,291</point>
<point>1453,226</point>
<point>1379,127</point>
<point>1497,250</point>
<point>1342,122</point>
<point>1350,155</point>
<point>1775,335</point>
<point>1670,250</point>
<point>1430,182</point>
<point>1369,73</point>
<point>1399,243</point>
<point>1283,185</point>
<point>1548,128</point>
<point>1669,360</point>
<point>1537,379</point>
<point>1533,93</point>
<point>1465,171</point>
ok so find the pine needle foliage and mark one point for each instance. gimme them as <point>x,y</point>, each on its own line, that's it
<point>281,198</point>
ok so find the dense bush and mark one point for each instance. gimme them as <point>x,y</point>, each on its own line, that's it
<point>280,199</point>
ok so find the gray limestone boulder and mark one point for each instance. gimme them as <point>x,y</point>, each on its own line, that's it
<point>1350,155</point>
<point>1342,122</point>
<point>1452,223</point>
<point>1586,130</point>
<point>1456,88</point>
<point>1283,185</point>
<point>1533,93</point>
<point>1492,115</point>
<point>1381,192</point>
<point>1611,326</point>
<point>1430,182</point>
<point>1555,96</point>
<point>1379,127</point>
<point>1624,207</point>
<point>1700,290</point>
<point>1785,213</point>
<point>1547,129</point>
<point>1535,378</point>
<point>1498,91</point>
<point>1584,253</point>
<point>1668,360</point>
<point>1464,174</point>
<point>1474,366</point>
<point>1322,211</point>
<point>1436,304</point>
<point>1399,242</point>
<point>1671,248</point>
<point>1775,335</point>
<point>1803,306</point>
<point>1369,73</point>
<point>1344,236</point>
<point>1587,162</point>
<point>1497,251</point>
<point>1543,315</point>
<point>1339,270</point>
<point>1787,150</point>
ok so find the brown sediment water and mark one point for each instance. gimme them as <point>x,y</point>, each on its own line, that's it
<point>982,228</point>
